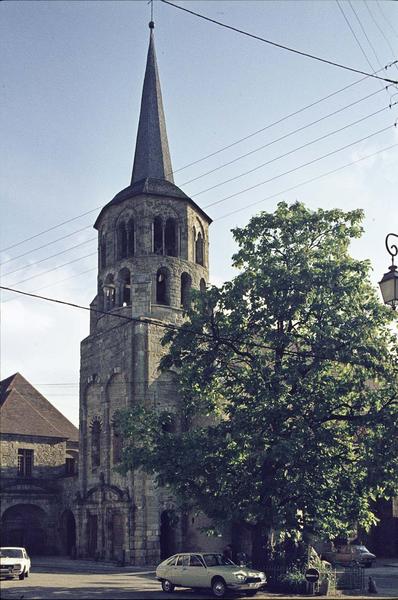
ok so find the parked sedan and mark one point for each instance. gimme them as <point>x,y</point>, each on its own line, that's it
<point>351,555</point>
<point>14,562</point>
<point>208,571</point>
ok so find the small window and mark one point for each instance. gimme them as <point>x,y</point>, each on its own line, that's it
<point>186,283</point>
<point>161,287</point>
<point>95,443</point>
<point>122,241</point>
<point>158,236</point>
<point>117,446</point>
<point>124,287</point>
<point>70,466</point>
<point>25,463</point>
<point>202,286</point>
<point>183,560</point>
<point>130,238</point>
<point>199,249</point>
<point>109,293</point>
<point>170,238</point>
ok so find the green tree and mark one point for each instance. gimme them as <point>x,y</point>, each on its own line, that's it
<point>288,379</point>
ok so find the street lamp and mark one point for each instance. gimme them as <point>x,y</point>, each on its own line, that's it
<point>389,283</point>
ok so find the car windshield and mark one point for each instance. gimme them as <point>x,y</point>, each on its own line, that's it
<point>216,560</point>
<point>11,553</point>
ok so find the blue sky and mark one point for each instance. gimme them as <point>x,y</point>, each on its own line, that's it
<point>72,76</point>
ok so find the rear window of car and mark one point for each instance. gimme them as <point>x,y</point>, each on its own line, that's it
<point>183,560</point>
<point>11,553</point>
<point>170,561</point>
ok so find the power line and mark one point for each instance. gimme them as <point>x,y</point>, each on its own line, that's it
<point>55,268</point>
<point>395,33</point>
<point>277,122</point>
<point>283,137</point>
<point>49,257</point>
<point>306,145</point>
<point>157,323</point>
<point>251,170</point>
<point>32,237</point>
<point>306,164</point>
<point>266,41</point>
<point>232,212</point>
<point>45,245</point>
<point>364,32</point>
<point>379,28</point>
<point>294,187</point>
<point>354,34</point>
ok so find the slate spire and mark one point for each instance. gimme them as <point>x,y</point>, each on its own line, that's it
<point>152,155</point>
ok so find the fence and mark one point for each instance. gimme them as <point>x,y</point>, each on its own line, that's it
<point>340,578</point>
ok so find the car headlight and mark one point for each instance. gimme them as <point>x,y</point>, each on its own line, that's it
<point>262,575</point>
<point>240,577</point>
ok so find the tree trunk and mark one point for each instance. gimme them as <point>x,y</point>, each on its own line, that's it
<point>261,545</point>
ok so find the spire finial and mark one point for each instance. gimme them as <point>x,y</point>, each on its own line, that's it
<point>151,23</point>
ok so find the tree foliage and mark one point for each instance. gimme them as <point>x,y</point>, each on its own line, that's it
<point>288,385</point>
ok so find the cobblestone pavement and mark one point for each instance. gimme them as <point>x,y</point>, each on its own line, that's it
<point>63,579</point>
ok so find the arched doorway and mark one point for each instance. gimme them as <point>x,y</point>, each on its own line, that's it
<point>26,525</point>
<point>168,522</point>
<point>68,528</point>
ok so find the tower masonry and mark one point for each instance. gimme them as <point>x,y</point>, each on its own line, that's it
<point>152,251</point>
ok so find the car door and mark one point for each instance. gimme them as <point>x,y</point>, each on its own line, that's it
<point>180,570</point>
<point>197,574</point>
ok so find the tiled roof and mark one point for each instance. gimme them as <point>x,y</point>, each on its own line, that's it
<point>24,411</point>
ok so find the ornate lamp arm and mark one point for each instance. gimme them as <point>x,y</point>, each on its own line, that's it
<point>392,249</point>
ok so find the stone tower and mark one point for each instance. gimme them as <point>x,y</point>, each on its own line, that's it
<point>152,249</point>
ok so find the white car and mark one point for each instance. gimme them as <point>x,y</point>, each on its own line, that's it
<point>208,570</point>
<point>14,562</point>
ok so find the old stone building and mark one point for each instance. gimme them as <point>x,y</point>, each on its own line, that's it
<point>38,475</point>
<point>153,249</point>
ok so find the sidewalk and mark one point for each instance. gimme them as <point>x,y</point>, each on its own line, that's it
<point>85,565</point>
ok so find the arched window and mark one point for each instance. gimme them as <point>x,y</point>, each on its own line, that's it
<point>186,283</point>
<point>102,251</point>
<point>158,236</point>
<point>121,241</point>
<point>109,293</point>
<point>202,285</point>
<point>95,443</point>
<point>199,249</point>
<point>162,287</point>
<point>130,238</point>
<point>124,287</point>
<point>117,445</point>
<point>170,238</point>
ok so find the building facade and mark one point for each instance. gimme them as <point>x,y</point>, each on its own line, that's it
<point>38,473</point>
<point>152,250</point>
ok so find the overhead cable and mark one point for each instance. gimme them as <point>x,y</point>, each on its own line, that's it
<point>277,45</point>
<point>306,164</point>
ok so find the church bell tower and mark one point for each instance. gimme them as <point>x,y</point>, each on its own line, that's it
<point>152,250</point>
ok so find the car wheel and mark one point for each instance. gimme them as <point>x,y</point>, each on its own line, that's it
<point>21,576</point>
<point>218,587</point>
<point>167,586</point>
